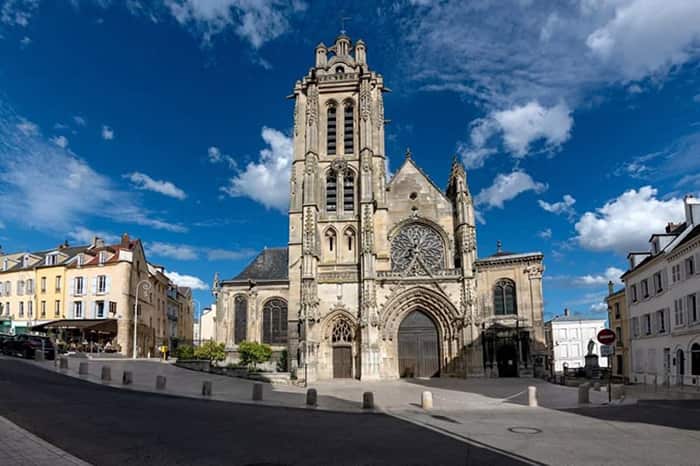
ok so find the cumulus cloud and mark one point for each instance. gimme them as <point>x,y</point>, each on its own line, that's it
<point>84,235</point>
<point>60,141</point>
<point>189,281</point>
<point>545,234</point>
<point>626,222</point>
<point>145,182</point>
<point>599,307</point>
<point>107,133</point>
<point>27,127</point>
<point>611,274</point>
<point>18,12</point>
<point>506,187</point>
<point>79,120</point>
<point>565,206</point>
<point>215,156</point>
<point>185,252</point>
<point>80,192</point>
<point>266,181</point>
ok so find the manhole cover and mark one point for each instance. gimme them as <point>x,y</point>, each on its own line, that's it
<point>525,430</point>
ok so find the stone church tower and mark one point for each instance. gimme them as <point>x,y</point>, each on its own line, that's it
<point>379,280</point>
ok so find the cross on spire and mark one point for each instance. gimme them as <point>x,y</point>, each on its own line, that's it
<point>342,23</point>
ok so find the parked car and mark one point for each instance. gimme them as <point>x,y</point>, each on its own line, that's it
<point>26,346</point>
<point>3,338</point>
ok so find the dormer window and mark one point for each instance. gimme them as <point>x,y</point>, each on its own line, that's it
<point>655,246</point>
<point>339,70</point>
<point>25,261</point>
<point>51,259</point>
<point>79,260</point>
<point>102,257</point>
<point>5,265</point>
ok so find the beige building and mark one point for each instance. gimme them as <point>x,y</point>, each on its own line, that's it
<point>380,279</point>
<point>619,319</point>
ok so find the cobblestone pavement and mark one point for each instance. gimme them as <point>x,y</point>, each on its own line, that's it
<point>22,448</point>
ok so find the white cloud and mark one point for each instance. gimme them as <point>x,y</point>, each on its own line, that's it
<point>266,181</point>
<point>545,234</point>
<point>25,42</point>
<point>172,251</point>
<point>565,206</point>
<point>84,235</point>
<point>599,307</point>
<point>255,21</point>
<point>60,141</point>
<point>506,187</point>
<point>79,120</point>
<point>648,37</point>
<point>611,274</point>
<point>145,182</point>
<point>27,127</point>
<point>215,156</point>
<point>18,12</point>
<point>107,133</point>
<point>189,281</point>
<point>80,192</point>
<point>625,223</point>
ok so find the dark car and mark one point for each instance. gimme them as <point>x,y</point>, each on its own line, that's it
<point>26,346</point>
<point>4,337</point>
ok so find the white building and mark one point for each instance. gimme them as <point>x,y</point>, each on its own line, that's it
<point>207,324</point>
<point>567,340</point>
<point>662,287</point>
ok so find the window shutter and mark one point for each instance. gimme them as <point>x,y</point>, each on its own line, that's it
<point>664,279</point>
<point>108,283</point>
<point>94,285</point>
<point>72,286</point>
<point>94,309</point>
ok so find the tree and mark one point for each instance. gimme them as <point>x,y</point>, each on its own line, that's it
<point>254,353</point>
<point>185,352</point>
<point>211,351</point>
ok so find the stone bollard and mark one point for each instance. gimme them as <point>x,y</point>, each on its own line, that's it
<point>160,382</point>
<point>39,355</point>
<point>127,378</point>
<point>206,388</point>
<point>311,397</point>
<point>83,368</point>
<point>618,392</point>
<point>596,386</point>
<point>106,374</point>
<point>426,400</point>
<point>63,363</point>
<point>368,400</point>
<point>583,395</point>
<point>532,396</point>
<point>257,391</point>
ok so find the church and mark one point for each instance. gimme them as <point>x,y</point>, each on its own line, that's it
<point>380,279</point>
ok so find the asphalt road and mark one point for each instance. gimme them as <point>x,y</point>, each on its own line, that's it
<point>109,426</point>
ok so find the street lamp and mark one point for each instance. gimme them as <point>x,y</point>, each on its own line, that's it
<point>146,286</point>
<point>199,313</point>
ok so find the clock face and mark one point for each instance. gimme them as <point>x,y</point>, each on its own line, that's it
<point>416,250</point>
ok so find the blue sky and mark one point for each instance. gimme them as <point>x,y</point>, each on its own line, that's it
<point>578,121</point>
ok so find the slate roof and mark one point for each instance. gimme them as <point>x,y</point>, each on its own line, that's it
<point>694,233</point>
<point>271,264</point>
<point>574,318</point>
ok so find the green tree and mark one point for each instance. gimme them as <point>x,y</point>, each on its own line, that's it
<point>211,351</point>
<point>254,353</point>
<point>185,352</point>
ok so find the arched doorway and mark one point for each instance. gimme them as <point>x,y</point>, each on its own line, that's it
<point>419,354</point>
<point>342,337</point>
<point>680,366</point>
<point>507,360</point>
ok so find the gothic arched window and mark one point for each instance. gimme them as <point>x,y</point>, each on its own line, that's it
<point>331,130</point>
<point>417,249</point>
<point>342,332</point>
<point>348,129</point>
<point>275,321</point>
<point>695,359</point>
<point>240,309</point>
<point>348,192</point>
<point>504,298</point>
<point>350,239</point>
<point>331,192</point>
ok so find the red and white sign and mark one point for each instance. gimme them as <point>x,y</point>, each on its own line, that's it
<point>606,337</point>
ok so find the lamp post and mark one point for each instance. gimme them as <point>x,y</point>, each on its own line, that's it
<point>199,313</point>
<point>146,286</point>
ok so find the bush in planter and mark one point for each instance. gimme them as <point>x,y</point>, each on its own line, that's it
<point>253,353</point>
<point>283,361</point>
<point>211,351</point>
<point>185,352</point>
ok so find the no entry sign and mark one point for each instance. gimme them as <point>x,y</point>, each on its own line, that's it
<point>606,337</point>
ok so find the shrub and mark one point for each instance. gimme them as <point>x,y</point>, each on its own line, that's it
<point>185,352</point>
<point>211,351</point>
<point>283,362</point>
<point>254,353</point>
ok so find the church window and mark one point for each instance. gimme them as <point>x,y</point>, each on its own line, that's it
<point>342,332</point>
<point>504,298</point>
<point>340,70</point>
<point>275,321</point>
<point>350,237</point>
<point>417,250</point>
<point>331,238</point>
<point>348,192</point>
<point>241,319</point>
<point>348,129</point>
<point>331,130</point>
<point>331,192</point>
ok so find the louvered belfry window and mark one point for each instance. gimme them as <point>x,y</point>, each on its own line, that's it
<point>348,192</point>
<point>348,129</point>
<point>331,130</point>
<point>275,321</point>
<point>331,192</point>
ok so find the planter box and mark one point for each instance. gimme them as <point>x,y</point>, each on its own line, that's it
<point>194,364</point>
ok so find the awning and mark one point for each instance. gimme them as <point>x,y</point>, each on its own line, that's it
<point>88,325</point>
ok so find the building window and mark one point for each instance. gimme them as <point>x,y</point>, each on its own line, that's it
<point>99,309</point>
<point>112,308</point>
<point>8,288</point>
<point>635,326</point>
<point>692,308</point>
<point>348,129</point>
<point>678,312</point>
<point>78,286</point>
<point>331,129</point>
<point>661,321</point>
<point>618,335</point>
<point>504,298</point>
<point>348,192</point>
<point>51,259</point>
<point>342,332</point>
<point>21,309</point>
<point>331,192</point>
<point>645,288</point>
<point>275,321</point>
<point>331,239</point>
<point>689,266</point>
<point>57,309</point>
<point>676,273</point>
<point>657,282</point>
<point>7,308</point>
<point>20,287</point>
<point>647,324</point>
<point>617,310</point>
<point>43,309</point>
<point>350,239</point>
<point>58,283</point>
<point>101,284</point>
<point>695,359</point>
<point>102,257</point>
<point>633,289</point>
<point>240,319</point>
<point>78,309</point>
<point>30,309</point>
<point>43,284</point>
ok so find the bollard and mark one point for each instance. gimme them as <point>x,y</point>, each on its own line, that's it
<point>596,386</point>
<point>206,388</point>
<point>83,368</point>
<point>583,395</point>
<point>127,378</point>
<point>532,396</point>
<point>106,374</point>
<point>618,392</point>
<point>63,363</point>
<point>311,397</point>
<point>257,391</point>
<point>39,355</point>
<point>426,400</point>
<point>368,400</point>
<point>160,382</point>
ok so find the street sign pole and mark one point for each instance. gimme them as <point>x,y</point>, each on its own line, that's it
<point>607,337</point>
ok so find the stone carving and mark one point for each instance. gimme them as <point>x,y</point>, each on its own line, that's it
<point>310,233</point>
<point>379,109</point>
<point>365,99</point>
<point>296,116</point>
<point>417,250</point>
<point>312,106</point>
<point>311,164</point>
<point>534,271</point>
<point>309,302</point>
<point>367,229</point>
<point>339,166</point>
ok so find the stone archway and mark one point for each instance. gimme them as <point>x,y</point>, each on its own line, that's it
<point>418,346</point>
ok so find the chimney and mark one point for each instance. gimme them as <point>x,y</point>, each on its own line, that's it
<point>125,240</point>
<point>611,289</point>
<point>566,312</point>
<point>692,210</point>
<point>63,245</point>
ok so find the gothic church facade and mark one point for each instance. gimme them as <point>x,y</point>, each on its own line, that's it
<point>380,279</point>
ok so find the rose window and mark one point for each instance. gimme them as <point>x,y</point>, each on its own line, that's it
<point>417,250</point>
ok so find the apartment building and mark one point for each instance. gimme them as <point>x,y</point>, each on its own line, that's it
<point>567,340</point>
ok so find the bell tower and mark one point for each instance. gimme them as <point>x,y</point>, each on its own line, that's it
<point>337,183</point>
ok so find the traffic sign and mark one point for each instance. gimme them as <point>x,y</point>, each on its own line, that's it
<point>607,350</point>
<point>606,337</point>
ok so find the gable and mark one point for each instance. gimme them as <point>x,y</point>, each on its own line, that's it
<point>411,179</point>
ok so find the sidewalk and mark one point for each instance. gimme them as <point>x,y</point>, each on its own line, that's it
<point>20,447</point>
